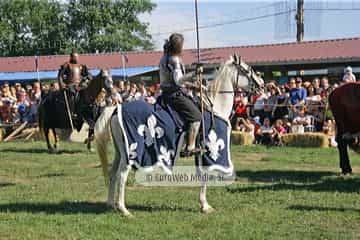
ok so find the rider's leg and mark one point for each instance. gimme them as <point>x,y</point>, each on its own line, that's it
<point>192,134</point>
<point>192,116</point>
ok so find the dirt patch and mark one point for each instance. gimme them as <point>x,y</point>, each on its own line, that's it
<point>251,157</point>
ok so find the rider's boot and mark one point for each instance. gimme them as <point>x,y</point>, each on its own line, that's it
<point>192,133</point>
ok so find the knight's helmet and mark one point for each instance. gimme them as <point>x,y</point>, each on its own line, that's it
<point>74,56</point>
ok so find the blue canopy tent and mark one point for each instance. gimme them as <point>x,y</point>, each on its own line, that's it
<point>117,73</point>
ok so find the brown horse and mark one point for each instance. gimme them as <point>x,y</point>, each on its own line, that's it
<point>53,111</point>
<point>345,105</point>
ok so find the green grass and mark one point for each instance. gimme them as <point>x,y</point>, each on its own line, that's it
<point>280,193</point>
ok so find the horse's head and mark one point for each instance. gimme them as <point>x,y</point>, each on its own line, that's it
<point>106,79</point>
<point>243,76</point>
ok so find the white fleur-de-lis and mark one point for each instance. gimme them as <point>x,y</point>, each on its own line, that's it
<point>214,145</point>
<point>166,155</point>
<point>150,130</point>
<point>132,151</point>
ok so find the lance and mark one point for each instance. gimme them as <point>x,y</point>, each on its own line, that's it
<point>199,73</point>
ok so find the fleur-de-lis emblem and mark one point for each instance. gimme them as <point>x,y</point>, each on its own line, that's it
<point>150,131</point>
<point>214,145</point>
<point>166,155</point>
<point>132,151</point>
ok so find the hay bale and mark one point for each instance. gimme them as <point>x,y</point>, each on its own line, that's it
<point>2,133</point>
<point>315,140</point>
<point>241,138</point>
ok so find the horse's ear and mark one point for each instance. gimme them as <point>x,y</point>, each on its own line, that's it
<point>103,72</point>
<point>236,59</point>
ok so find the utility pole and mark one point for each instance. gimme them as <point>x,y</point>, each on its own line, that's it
<point>300,21</point>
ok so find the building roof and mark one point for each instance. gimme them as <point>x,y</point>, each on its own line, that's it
<point>271,54</point>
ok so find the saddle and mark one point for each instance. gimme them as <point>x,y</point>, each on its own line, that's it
<point>162,105</point>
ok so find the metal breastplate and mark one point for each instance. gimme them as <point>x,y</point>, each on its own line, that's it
<point>165,71</point>
<point>74,74</point>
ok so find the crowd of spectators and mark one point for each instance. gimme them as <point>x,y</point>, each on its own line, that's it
<point>18,103</point>
<point>294,107</point>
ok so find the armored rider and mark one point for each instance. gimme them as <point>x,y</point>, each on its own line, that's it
<point>72,77</point>
<point>172,77</point>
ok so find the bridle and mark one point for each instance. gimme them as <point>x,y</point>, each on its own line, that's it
<point>244,69</point>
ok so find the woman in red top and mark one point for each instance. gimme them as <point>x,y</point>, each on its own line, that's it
<point>239,109</point>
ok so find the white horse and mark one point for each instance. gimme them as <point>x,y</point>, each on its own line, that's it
<point>232,75</point>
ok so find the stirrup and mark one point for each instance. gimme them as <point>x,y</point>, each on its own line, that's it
<point>193,152</point>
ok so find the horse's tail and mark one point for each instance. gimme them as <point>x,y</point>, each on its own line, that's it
<point>102,137</point>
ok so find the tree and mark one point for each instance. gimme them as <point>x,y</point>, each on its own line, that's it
<point>109,25</point>
<point>31,27</point>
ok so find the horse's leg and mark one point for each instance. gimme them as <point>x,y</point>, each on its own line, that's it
<point>55,137</point>
<point>204,205</point>
<point>46,133</point>
<point>343,154</point>
<point>123,172</point>
<point>121,166</point>
<point>113,179</point>
<point>89,139</point>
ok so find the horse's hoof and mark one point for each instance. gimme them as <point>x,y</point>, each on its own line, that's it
<point>110,205</point>
<point>125,212</point>
<point>345,174</point>
<point>52,151</point>
<point>128,215</point>
<point>208,210</point>
<point>91,150</point>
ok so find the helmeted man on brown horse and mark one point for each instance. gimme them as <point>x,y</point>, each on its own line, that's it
<point>72,77</point>
<point>75,102</point>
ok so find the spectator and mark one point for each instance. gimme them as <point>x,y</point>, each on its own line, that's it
<point>121,88</point>
<point>245,125</point>
<point>45,88</point>
<point>133,94</point>
<point>312,97</point>
<point>37,92</point>
<point>297,92</point>
<point>54,87</point>
<point>259,104</point>
<point>142,92</point>
<point>281,105</point>
<point>15,116</point>
<point>279,130</point>
<point>329,130</point>
<point>266,132</point>
<point>239,108</point>
<point>348,75</point>
<point>17,88</point>
<point>316,85</point>
<point>125,93</point>
<point>115,97</point>
<point>297,95</point>
<point>5,109</point>
<point>302,122</point>
<point>326,89</point>
<point>286,123</point>
<point>271,101</point>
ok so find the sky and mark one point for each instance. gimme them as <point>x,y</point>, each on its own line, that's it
<point>238,23</point>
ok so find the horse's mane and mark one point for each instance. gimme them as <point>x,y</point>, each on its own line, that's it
<point>220,76</point>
